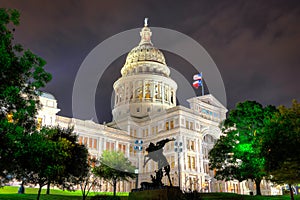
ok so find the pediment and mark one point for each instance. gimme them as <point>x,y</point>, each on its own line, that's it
<point>208,99</point>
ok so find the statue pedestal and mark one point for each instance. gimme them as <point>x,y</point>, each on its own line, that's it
<point>165,193</point>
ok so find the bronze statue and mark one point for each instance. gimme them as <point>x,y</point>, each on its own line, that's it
<point>155,153</point>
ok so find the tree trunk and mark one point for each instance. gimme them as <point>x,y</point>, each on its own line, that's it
<point>22,188</point>
<point>83,187</point>
<point>48,188</point>
<point>257,183</point>
<point>39,192</point>
<point>291,192</point>
<point>115,186</point>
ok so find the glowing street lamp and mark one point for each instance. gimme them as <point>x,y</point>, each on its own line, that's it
<point>138,146</point>
<point>178,149</point>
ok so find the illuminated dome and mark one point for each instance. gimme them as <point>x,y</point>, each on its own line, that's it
<point>145,54</point>
<point>145,87</point>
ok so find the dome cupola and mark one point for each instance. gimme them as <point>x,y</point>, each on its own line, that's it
<point>145,86</point>
<point>143,55</point>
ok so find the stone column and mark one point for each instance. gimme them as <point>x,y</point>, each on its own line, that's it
<point>201,155</point>
<point>163,93</point>
<point>197,156</point>
<point>152,88</point>
<point>133,91</point>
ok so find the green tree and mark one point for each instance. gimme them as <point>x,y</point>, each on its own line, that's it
<point>78,167</point>
<point>52,155</point>
<point>114,167</point>
<point>237,154</point>
<point>21,75</point>
<point>281,146</point>
<point>75,164</point>
<point>42,158</point>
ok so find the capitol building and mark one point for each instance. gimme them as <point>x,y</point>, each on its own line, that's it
<point>145,111</point>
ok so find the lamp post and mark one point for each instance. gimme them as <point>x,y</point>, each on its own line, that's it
<point>138,147</point>
<point>178,149</point>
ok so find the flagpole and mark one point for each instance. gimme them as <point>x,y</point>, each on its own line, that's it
<point>202,86</point>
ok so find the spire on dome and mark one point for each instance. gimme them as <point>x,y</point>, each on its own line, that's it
<point>145,33</point>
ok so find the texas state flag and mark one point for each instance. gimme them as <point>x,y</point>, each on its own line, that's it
<point>197,77</point>
<point>197,83</point>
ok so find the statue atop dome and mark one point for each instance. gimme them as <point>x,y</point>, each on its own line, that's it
<point>146,34</point>
<point>146,22</point>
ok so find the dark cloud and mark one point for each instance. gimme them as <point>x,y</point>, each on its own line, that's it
<point>255,44</point>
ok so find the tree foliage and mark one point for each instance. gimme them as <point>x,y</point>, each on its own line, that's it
<point>52,155</point>
<point>237,154</point>
<point>44,158</point>
<point>78,170</point>
<point>48,155</point>
<point>114,167</point>
<point>76,164</point>
<point>281,145</point>
<point>21,75</point>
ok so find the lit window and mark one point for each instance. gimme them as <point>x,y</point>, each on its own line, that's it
<point>193,163</point>
<point>112,146</point>
<point>171,124</point>
<point>167,125</point>
<point>189,162</point>
<point>147,91</point>
<point>124,148</point>
<point>187,124</point>
<point>158,91</point>
<point>193,145</point>
<point>90,142</point>
<point>95,143</point>
<point>191,125</point>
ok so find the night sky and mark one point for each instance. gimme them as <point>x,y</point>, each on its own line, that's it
<point>255,44</point>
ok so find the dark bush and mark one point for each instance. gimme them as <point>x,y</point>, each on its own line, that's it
<point>192,195</point>
<point>104,197</point>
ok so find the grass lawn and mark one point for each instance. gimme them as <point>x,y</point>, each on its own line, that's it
<point>10,193</point>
